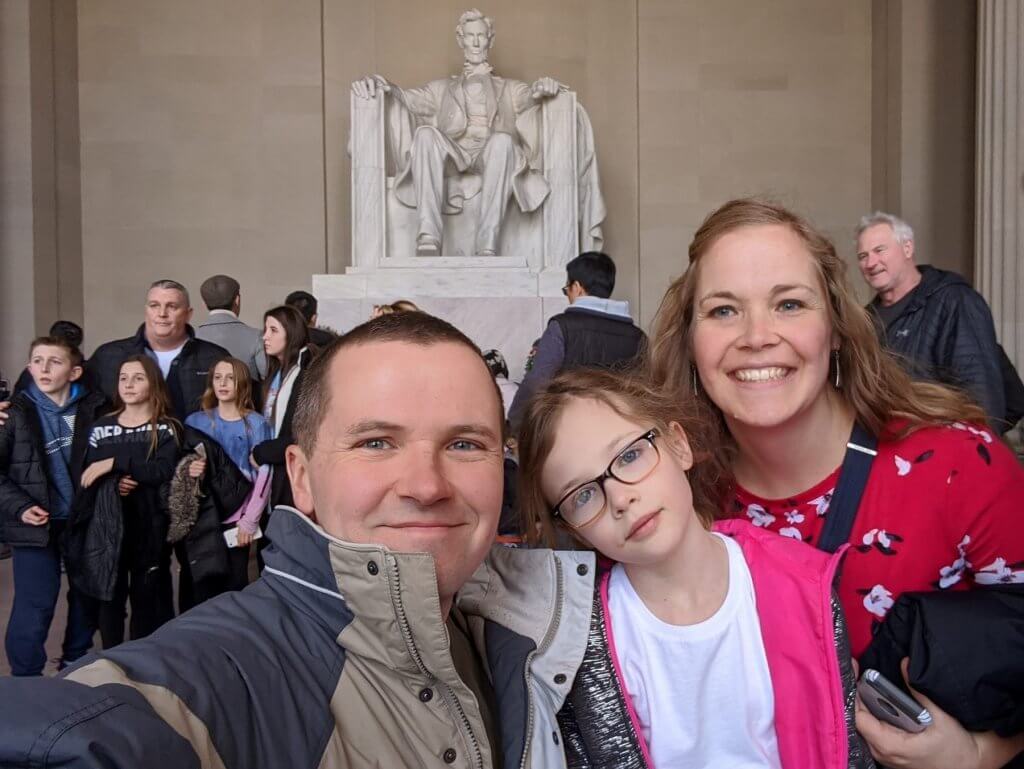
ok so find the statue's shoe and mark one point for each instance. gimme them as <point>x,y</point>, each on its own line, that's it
<point>427,246</point>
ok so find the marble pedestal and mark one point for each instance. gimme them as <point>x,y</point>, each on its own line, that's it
<point>497,301</point>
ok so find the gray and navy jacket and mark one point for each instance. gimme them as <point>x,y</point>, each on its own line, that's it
<point>337,657</point>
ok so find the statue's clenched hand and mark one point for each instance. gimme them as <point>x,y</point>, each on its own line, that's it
<point>368,87</point>
<point>546,87</point>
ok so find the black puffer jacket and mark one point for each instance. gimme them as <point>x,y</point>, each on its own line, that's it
<point>24,474</point>
<point>94,538</point>
<point>187,378</point>
<point>946,334</point>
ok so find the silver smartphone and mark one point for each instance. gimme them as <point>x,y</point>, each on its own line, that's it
<point>887,702</point>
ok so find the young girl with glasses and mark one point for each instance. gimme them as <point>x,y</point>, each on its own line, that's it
<point>711,644</point>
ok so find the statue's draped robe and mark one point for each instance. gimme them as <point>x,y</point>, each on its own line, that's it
<point>512,110</point>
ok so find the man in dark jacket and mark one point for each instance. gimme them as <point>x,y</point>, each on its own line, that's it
<point>166,337</point>
<point>932,319</point>
<point>593,331</point>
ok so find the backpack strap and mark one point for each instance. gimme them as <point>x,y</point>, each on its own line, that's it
<point>861,450</point>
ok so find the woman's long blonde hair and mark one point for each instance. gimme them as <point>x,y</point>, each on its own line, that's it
<point>872,381</point>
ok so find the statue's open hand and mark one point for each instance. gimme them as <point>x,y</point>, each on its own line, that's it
<point>368,87</point>
<point>547,87</point>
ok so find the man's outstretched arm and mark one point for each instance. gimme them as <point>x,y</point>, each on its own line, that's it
<point>55,722</point>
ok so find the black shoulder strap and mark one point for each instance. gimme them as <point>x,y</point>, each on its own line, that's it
<point>853,477</point>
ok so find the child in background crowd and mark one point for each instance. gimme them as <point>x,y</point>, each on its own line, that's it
<point>724,644</point>
<point>139,443</point>
<point>229,418</point>
<point>42,446</point>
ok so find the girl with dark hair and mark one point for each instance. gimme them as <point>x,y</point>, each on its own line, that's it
<point>689,657</point>
<point>229,418</point>
<point>285,341</point>
<point>139,444</point>
<point>827,440</point>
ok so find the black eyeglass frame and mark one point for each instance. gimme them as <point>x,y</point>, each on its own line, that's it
<point>648,436</point>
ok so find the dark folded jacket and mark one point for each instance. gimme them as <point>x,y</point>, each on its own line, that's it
<point>94,538</point>
<point>966,653</point>
<point>222,490</point>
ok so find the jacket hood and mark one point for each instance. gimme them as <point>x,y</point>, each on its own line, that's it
<point>933,279</point>
<point>619,309</point>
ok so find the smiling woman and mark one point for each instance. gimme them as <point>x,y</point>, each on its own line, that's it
<point>764,329</point>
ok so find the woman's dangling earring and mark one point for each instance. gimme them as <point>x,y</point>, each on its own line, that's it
<point>693,372</point>
<point>838,380</point>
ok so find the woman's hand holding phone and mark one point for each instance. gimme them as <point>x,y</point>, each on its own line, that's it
<point>945,744</point>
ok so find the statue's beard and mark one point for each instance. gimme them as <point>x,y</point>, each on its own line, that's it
<point>475,57</point>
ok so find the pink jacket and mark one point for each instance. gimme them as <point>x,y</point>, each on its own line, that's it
<point>805,644</point>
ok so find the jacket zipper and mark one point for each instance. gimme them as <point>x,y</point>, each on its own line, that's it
<point>451,701</point>
<point>544,644</point>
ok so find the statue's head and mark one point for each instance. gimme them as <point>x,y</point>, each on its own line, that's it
<point>475,34</point>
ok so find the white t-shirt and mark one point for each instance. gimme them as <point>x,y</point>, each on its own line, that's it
<point>702,692</point>
<point>164,358</point>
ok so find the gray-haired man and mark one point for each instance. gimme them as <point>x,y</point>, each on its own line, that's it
<point>940,326</point>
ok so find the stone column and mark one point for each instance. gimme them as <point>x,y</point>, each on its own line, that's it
<point>999,238</point>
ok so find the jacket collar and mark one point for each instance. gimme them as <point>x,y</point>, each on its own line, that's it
<point>389,612</point>
<point>143,344</point>
<point>220,318</point>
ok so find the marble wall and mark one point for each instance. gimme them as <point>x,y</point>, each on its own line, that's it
<point>202,151</point>
<point>736,99</point>
<point>212,135</point>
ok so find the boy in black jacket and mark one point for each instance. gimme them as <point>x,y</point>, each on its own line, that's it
<point>42,447</point>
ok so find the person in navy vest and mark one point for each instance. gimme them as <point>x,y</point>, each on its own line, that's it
<point>593,331</point>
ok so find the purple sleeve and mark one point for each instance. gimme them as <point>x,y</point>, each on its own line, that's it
<point>547,362</point>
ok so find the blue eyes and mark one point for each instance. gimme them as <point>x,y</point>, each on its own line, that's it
<point>583,496</point>
<point>786,305</point>
<point>382,444</point>
<point>628,457</point>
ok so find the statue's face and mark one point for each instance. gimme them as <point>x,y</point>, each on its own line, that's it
<point>475,41</point>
